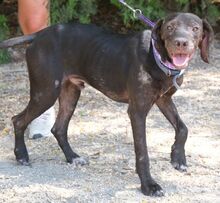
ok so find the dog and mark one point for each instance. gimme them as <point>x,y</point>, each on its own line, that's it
<point>63,57</point>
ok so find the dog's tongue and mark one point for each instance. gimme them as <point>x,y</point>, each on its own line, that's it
<point>180,60</point>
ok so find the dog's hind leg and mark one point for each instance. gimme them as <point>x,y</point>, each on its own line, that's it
<point>43,94</point>
<point>68,99</point>
<point>20,149</point>
<point>34,109</point>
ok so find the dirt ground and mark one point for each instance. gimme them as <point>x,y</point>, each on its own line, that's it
<point>100,130</point>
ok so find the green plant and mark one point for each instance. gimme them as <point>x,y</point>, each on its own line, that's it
<point>153,9</point>
<point>4,32</point>
<point>203,8</point>
<point>213,13</point>
<point>83,11</point>
<point>68,10</point>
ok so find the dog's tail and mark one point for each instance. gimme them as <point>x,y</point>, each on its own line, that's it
<point>17,40</point>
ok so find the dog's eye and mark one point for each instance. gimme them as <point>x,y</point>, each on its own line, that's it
<point>195,29</point>
<point>170,28</point>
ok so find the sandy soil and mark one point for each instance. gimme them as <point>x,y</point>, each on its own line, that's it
<point>100,130</point>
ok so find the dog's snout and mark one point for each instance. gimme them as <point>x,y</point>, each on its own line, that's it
<point>181,43</point>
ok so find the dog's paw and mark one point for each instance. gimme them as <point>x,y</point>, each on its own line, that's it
<point>178,160</point>
<point>22,156</point>
<point>23,162</point>
<point>179,167</point>
<point>152,189</point>
<point>79,161</point>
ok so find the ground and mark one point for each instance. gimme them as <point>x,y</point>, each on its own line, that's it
<point>100,131</point>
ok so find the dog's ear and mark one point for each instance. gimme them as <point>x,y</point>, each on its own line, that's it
<point>206,40</point>
<point>159,43</point>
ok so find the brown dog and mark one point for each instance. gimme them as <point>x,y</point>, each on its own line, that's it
<point>63,57</point>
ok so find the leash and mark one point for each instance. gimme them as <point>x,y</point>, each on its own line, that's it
<point>166,67</point>
<point>137,13</point>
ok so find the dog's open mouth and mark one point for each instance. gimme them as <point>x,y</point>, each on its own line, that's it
<point>181,60</point>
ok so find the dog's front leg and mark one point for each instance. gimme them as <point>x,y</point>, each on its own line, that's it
<point>138,122</point>
<point>168,108</point>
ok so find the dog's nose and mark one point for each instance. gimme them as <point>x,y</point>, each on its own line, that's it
<point>181,43</point>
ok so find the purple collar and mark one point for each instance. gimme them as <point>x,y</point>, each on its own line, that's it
<point>158,56</point>
<point>167,67</point>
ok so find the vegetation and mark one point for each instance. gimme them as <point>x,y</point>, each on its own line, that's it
<point>114,14</point>
<point>154,9</point>
<point>73,9</point>
<point>4,32</point>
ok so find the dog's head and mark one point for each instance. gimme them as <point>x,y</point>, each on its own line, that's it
<point>178,35</point>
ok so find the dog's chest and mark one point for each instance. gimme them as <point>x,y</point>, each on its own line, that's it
<point>148,83</point>
<point>144,77</point>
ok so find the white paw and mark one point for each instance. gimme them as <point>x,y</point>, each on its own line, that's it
<point>80,161</point>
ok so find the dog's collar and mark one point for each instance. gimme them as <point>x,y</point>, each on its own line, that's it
<point>167,67</point>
